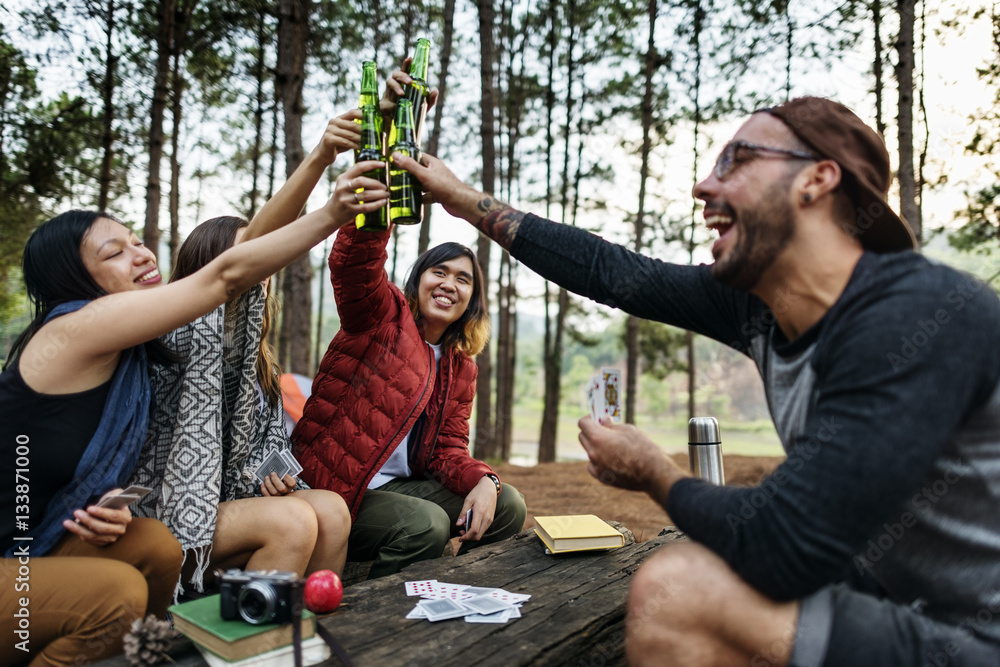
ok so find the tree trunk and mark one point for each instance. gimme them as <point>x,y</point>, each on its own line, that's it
<point>182,23</point>
<point>164,40</point>
<point>699,16</point>
<point>293,36</point>
<point>484,416</point>
<point>904,80</point>
<point>174,242</point>
<point>877,66</point>
<point>260,69</point>
<point>552,353</point>
<point>632,324</point>
<point>434,140</point>
<point>107,97</point>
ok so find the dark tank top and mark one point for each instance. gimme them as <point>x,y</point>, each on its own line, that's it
<point>42,438</point>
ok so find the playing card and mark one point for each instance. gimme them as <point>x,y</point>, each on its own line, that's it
<point>417,612</point>
<point>485,605</point>
<point>506,596</point>
<point>293,466</point>
<point>440,610</point>
<point>273,462</point>
<point>419,587</point>
<point>477,591</point>
<point>595,398</point>
<point>612,379</point>
<point>496,617</point>
<point>441,591</point>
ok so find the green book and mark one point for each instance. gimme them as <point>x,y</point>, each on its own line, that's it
<point>202,623</point>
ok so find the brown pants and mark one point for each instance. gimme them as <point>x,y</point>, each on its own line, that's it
<point>75,604</point>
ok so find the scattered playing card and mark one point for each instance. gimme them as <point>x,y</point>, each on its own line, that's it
<point>417,612</point>
<point>442,601</point>
<point>419,587</point>
<point>442,610</point>
<point>496,617</point>
<point>440,591</point>
<point>505,596</point>
<point>485,605</point>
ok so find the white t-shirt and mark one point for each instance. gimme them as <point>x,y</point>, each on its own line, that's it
<point>398,465</point>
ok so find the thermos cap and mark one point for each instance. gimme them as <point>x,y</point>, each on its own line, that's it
<point>703,431</point>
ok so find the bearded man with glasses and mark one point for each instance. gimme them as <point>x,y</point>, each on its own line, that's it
<point>877,540</point>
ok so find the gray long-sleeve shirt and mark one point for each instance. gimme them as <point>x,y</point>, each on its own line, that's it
<point>888,409</point>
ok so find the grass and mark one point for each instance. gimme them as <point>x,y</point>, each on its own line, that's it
<point>756,438</point>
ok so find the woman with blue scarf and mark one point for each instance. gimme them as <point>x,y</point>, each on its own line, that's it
<point>75,401</point>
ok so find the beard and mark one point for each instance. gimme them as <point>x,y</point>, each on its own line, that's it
<point>763,233</point>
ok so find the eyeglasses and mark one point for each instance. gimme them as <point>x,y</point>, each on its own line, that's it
<point>727,162</point>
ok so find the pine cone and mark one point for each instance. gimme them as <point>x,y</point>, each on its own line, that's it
<point>149,642</point>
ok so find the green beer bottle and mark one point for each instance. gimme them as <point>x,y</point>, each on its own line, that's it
<point>405,191</point>
<point>416,92</point>
<point>369,91</point>
<point>371,149</point>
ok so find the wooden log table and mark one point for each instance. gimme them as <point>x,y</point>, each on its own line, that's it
<point>575,616</point>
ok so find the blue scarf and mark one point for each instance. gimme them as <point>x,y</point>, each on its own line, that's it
<point>114,449</point>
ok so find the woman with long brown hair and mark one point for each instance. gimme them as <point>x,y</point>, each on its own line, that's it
<point>221,510</point>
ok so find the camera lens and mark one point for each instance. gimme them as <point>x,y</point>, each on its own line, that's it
<point>257,602</point>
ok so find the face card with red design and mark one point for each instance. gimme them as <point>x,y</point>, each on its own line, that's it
<point>612,381</point>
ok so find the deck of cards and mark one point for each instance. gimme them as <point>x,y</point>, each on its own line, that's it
<point>441,601</point>
<point>604,395</point>
<point>279,461</point>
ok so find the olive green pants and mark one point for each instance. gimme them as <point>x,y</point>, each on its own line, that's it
<point>409,520</point>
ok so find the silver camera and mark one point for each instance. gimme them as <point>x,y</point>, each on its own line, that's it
<point>260,596</point>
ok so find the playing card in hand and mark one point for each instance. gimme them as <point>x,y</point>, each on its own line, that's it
<point>612,380</point>
<point>273,462</point>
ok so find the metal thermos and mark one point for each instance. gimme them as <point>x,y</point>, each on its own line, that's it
<point>705,449</point>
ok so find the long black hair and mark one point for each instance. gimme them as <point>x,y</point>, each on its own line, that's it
<point>470,332</point>
<point>54,274</point>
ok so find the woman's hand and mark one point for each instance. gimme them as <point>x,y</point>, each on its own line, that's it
<point>99,526</point>
<point>275,486</point>
<point>482,500</point>
<point>354,193</point>
<point>342,134</point>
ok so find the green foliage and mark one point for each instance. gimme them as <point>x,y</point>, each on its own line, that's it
<point>982,222</point>
<point>981,227</point>
<point>659,348</point>
<point>43,153</point>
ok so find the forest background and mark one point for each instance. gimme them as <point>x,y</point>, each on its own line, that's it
<point>595,113</point>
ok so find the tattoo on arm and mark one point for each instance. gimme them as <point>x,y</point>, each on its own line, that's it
<point>499,221</point>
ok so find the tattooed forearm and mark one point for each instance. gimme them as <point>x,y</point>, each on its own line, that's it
<point>499,221</point>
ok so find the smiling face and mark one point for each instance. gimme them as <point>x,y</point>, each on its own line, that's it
<point>751,205</point>
<point>443,295</point>
<point>116,258</point>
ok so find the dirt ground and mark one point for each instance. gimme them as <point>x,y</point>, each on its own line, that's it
<point>567,488</point>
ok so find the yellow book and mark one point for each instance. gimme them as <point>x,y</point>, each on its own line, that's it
<point>577,532</point>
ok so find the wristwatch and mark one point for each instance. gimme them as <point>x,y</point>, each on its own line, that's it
<point>495,480</point>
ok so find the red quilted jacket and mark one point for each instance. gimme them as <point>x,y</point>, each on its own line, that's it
<point>374,383</point>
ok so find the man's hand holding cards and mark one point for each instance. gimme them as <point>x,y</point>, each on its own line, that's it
<point>604,395</point>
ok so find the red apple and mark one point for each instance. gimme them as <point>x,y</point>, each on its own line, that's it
<point>323,591</point>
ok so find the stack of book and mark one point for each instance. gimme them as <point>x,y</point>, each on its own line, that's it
<point>241,644</point>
